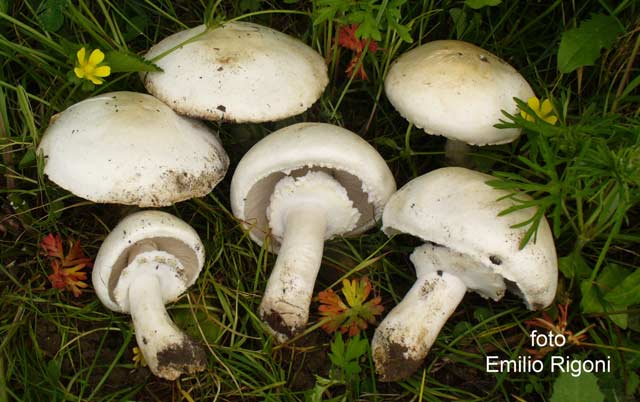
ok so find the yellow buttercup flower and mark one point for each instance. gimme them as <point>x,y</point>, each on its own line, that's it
<point>89,69</point>
<point>138,357</point>
<point>544,111</point>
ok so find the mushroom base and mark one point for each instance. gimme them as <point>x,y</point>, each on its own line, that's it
<point>168,351</point>
<point>402,340</point>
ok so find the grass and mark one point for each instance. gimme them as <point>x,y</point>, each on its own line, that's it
<point>583,174</point>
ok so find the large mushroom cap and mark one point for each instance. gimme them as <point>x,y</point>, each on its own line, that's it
<point>170,234</point>
<point>456,89</point>
<point>295,150</point>
<point>454,207</point>
<point>130,148</point>
<point>239,72</point>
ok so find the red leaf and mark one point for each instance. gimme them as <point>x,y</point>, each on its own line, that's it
<point>67,269</point>
<point>57,278</point>
<point>347,38</point>
<point>360,73</point>
<point>52,246</point>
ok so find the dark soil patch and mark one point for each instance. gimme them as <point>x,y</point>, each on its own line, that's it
<point>305,359</point>
<point>100,350</point>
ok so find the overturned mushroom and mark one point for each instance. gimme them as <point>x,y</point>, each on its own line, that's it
<point>130,148</point>
<point>457,90</point>
<point>304,184</point>
<point>467,247</point>
<point>149,259</point>
<point>240,72</point>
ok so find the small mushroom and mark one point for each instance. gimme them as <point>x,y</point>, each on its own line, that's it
<point>130,148</point>
<point>239,72</point>
<point>302,185</point>
<point>458,90</point>
<point>148,260</point>
<point>467,247</point>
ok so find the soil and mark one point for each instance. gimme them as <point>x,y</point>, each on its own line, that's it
<point>87,350</point>
<point>307,358</point>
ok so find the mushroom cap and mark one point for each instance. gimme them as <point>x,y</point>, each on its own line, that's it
<point>454,207</point>
<point>456,89</point>
<point>130,148</point>
<point>294,150</point>
<point>239,72</point>
<point>171,234</point>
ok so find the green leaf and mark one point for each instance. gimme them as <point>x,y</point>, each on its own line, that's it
<point>590,302</point>
<point>337,351</point>
<point>574,266</point>
<point>322,385</point>
<point>464,22</point>
<point>128,62</point>
<point>627,292</point>
<point>137,25</point>
<point>328,9</point>
<point>583,388</point>
<point>368,26</point>
<point>478,4</point>
<point>634,322</point>
<point>594,294</point>
<point>202,324</point>
<point>633,381</point>
<point>581,46</point>
<point>611,276</point>
<point>356,347</point>
<point>459,18</point>
<point>393,16</point>
<point>28,159</point>
<point>51,14</point>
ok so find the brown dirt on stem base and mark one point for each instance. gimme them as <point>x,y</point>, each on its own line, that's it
<point>275,321</point>
<point>181,358</point>
<point>393,365</point>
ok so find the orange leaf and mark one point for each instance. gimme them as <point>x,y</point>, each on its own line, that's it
<point>67,269</point>
<point>347,38</point>
<point>355,316</point>
<point>52,246</point>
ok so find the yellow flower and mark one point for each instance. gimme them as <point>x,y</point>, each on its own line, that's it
<point>89,69</point>
<point>138,357</point>
<point>544,111</point>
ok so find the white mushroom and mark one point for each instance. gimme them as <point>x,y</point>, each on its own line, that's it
<point>240,72</point>
<point>468,247</point>
<point>458,90</point>
<point>149,259</point>
<point>130,148</point>
<point>304,184</point>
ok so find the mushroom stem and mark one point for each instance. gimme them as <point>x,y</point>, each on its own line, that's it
<point>404,337</point>
<point>167,350</point>
<point>456,153</point>
<point>286,300</point>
